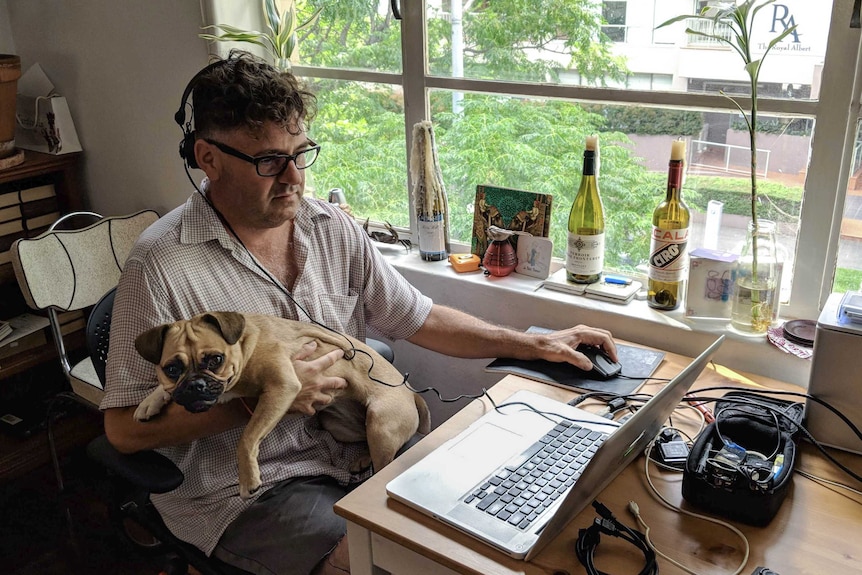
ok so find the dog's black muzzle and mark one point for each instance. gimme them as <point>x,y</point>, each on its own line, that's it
<point>198,392</point>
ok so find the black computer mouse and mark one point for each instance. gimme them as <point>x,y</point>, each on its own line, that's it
<point>603,366</point>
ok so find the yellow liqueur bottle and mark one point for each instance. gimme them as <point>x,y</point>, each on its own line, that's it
<point>585,253</point>
<point>668,259</point>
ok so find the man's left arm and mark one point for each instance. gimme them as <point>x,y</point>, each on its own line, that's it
<point>458,334</point>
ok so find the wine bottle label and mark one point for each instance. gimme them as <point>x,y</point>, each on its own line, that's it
<point>585,254</point>
<point>668,260</point>
<point>432,236</point>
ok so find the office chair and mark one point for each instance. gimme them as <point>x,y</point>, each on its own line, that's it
<point>135,476</point>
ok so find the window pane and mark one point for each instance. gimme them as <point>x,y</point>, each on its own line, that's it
<point>537,145</point>
<point>848,276</point>
<point>614,12</point>
<point>355,34</point>
<point>562,44</point>
<point>360,128</point>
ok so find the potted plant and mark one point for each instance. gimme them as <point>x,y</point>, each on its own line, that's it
<point>755,284</point>
<point>280,38</point>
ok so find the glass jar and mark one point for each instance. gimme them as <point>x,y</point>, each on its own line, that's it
<point>756,281</point>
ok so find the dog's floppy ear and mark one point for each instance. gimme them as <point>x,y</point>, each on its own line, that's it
<point>149,344</point>
<point>229,323</point>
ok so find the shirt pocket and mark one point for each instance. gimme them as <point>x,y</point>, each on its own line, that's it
<point>339,312</point>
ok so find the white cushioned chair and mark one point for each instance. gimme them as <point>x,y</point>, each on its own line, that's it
<point>69,270</point>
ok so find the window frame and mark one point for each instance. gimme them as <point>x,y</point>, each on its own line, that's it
<point>837,111</point>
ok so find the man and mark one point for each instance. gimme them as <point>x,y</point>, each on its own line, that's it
<point>250,242</point>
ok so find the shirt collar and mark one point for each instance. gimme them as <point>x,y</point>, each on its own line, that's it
<point>200,223</point>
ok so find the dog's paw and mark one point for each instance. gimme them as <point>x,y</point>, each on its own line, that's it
<point>152,404</point>
<point>246,491</point>
<point>249,479</point>
<point>361,463</point>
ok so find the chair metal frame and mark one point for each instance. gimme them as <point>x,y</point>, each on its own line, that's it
<point>67,270</point>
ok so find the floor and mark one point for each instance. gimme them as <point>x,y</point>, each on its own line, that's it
<point>38,540</point>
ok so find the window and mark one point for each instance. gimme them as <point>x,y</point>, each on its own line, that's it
<point>614,14</point>
<point>513,94</point>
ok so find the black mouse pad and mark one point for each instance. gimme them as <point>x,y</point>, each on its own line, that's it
<point>637,362</point>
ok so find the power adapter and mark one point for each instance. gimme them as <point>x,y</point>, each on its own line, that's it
<point>673,452</point>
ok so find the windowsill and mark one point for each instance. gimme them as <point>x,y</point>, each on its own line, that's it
<point>518,301</point>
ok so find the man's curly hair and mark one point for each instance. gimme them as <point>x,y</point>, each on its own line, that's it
<point>245,92</point>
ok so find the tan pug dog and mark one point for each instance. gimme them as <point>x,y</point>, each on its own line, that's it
<point>215,357</point>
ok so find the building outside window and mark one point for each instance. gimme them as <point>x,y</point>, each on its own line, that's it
<point>614,14</point>
<point>513,95</point>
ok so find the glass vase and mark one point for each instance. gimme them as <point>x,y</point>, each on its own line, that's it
<point>756,281</point>
<point>500,258</point>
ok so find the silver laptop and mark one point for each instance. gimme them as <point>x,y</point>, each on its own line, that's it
<point>492,480</point>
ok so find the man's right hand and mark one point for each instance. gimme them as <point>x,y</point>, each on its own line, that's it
<point>318,389</point>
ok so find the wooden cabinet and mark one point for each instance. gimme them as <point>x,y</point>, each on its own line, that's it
<point>28,219</point>
<point>32,195</point>
<point>23,213</point>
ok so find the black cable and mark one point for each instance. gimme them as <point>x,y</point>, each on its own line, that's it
<point>589,538</point>
<point>723,413</point>
<point>788,417</point>
<point>834,410</point>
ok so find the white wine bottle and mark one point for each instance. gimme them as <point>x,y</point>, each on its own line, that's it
<point>668,259</point>
<point>585,253</point>
<point>429,195</point>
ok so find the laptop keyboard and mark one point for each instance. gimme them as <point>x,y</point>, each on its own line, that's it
<point>522,489</point>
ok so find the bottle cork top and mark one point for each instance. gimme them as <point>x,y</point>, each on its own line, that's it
<point>592,143</point>
<point>677,150</point>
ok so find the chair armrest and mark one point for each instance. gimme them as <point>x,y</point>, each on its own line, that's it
<point>148,470</point>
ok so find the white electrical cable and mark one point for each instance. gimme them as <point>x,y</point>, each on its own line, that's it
<point>671,506</point>
<point>635,510</point>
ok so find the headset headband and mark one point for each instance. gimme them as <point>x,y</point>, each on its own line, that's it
<point>180,116</point>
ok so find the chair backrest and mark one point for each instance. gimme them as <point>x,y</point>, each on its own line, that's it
<point>71,269</point>
<point>99,333</point>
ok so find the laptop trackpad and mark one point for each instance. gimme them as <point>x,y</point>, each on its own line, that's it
<point>486,445</point>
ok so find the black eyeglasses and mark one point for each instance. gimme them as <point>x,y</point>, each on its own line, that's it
<point>272,165</point>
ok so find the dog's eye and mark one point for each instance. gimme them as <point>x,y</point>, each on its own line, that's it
<point>173,370</point>
<point>212,362</point>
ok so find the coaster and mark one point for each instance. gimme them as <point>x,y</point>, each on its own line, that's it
<point>11,161</point>
<point>775,335</point>
<point>801,331</point>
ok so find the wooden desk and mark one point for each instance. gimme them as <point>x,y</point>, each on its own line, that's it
<point>816,530</point>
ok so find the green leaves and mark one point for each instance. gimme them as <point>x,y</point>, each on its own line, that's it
<point>280,39</point>
<point>738,20</point>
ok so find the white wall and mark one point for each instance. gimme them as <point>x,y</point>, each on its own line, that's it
<point>123,65</point>
<point>7,43</point>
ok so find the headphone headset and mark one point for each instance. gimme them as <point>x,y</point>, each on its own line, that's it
<point>187,144</point>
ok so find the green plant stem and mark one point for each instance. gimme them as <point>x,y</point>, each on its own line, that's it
<point>753,144</point>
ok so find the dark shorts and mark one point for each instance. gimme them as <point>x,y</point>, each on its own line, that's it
<point>288,530</point>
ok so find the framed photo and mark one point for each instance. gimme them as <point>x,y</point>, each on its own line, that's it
<point>510,209</point>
